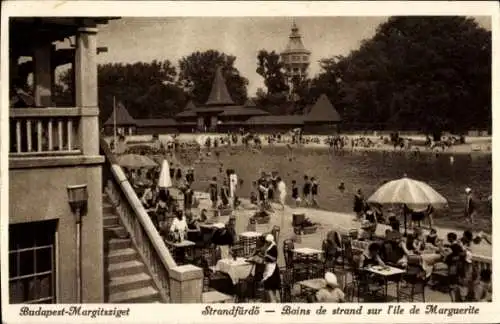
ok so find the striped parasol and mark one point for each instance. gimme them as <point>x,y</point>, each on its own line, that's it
<point>407,191</point>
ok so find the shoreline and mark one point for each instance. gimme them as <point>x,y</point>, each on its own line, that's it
<point>477,146</point>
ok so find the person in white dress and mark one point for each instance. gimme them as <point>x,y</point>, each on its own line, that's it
<point>179,226</point>
<point>233,183</point>
<point>282,192</point>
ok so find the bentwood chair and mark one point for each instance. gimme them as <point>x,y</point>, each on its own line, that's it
<point>414,280</point>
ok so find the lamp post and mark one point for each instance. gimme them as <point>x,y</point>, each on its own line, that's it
<point>77,199</point>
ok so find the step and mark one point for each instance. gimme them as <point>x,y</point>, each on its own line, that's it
<point>122,255</point>
<point>140,295</point>
<point>118,243</point>
<point>107,208</point>
<point>117,231</point>
<point>130,282</point>
<point>110,220</point>
<point>125,268</point>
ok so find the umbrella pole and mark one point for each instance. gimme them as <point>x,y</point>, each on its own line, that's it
<point>404,215</point>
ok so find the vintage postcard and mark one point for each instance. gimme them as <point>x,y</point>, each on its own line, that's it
<point>294,162</point>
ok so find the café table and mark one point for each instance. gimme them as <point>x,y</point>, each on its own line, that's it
<point>237,268</point>
<point>180,249</point>
<point>387,273</point>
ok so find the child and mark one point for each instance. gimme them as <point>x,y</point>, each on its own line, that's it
<point>295,193</point>
<point>432,237</point>
<point>314,191</point>
<point>213,191</point>
<point>253,198</point>
<point>306,189</point>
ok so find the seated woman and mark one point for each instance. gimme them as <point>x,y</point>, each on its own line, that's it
<point>225,237</point>
<point>149,197</point>
<point>253,199</point>
<point>332,292</point>
<point>331,248</point>
<point>371,257</point>
<point>368,225</point>
<point>432,238</point>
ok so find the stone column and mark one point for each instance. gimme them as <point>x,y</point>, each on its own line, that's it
<point>42,81</point>
<point>85,69</point>
<point>186,284</point>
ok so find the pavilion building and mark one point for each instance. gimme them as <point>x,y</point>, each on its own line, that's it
<point>221,114</point>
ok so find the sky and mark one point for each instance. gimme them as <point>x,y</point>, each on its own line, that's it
<point>145,39</point>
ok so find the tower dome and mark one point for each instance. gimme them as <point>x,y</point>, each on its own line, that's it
<point>295,57</point>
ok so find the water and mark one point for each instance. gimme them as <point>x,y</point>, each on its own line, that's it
<point>364,170</point>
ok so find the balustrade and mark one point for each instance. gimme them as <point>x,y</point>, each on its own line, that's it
<point>44,131</point>
<point>138,224</point>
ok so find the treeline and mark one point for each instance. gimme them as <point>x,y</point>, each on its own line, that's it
<point>416,73</point>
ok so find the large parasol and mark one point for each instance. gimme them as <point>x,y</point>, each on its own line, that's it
<point>165,181</point>
<point>136,161</point>
<point>406,191</point>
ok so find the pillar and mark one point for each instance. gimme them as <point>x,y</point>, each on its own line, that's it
<point>42,82</point>
<point>85,91</point>
<point>85,69</point>
<point>200,123</point>
<point>186,284</point>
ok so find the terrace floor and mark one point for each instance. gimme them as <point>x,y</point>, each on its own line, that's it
<point>328,221</point>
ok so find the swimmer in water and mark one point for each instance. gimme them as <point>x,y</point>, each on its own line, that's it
<point>341,187</point>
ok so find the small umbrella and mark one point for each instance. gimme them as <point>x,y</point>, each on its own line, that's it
<point>135,161</point>
<point>164,181</point>
<point>409,192</point>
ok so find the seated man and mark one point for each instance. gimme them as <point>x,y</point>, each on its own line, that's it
<point>178,229</point>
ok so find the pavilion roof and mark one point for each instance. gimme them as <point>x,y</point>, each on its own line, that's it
<point>323,111</point>
<point>122,117</point>
<point>219,95</point>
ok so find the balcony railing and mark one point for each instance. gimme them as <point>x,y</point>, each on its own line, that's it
<point>44,131</point>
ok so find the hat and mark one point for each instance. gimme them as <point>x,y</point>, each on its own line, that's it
<point>269,238</point>
<point>331,279</point>
<point>467,190</point>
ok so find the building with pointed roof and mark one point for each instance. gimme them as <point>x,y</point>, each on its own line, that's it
<point>125,124</point>
<point>219,112</point>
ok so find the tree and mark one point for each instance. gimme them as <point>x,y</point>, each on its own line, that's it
<point>147,90</point>
<point>199,69</point>
<point>430,73</point>
<point>270,67</point>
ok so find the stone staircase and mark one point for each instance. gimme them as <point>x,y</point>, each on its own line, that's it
<point>126,277</point>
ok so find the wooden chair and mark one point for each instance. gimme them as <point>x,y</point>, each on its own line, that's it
<point>286,285</point>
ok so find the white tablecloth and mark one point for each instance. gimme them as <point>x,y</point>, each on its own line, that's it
<point>236,269</point>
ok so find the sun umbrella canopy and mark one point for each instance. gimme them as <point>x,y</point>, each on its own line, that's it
<point>165,181</point>
<point>135,161</point>
<point>407,191</point>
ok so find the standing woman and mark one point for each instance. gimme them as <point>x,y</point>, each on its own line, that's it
<point>271,277</point>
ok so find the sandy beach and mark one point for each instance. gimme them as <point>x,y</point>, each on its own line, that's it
<point>474,144</point>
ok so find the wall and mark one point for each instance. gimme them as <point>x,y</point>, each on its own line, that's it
<point>40,194</point>
<point>321,129</point>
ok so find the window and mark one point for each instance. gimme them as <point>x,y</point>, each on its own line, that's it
<point>32,263</point>
<point>304,58</point>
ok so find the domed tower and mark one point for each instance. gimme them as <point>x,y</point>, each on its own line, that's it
<point>295,57</point>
